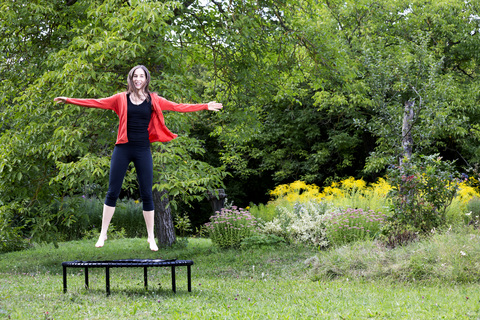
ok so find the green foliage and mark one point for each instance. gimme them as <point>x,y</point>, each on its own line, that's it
<point>396,235</point>
<point>11,238</point>
<point>313,90</point>
<point>263,212</point>
<point>84,49</point>
<point>423,188</point>
<point>113,233</point>
<point>186,178</point>
<point>183,226</point>
<point>262,240</point>
<point>353,225</point>
<point>230,226</point>
<point>86,219</point>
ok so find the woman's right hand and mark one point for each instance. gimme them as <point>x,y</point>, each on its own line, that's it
<point>60,99</point>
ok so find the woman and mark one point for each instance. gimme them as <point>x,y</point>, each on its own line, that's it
<point>141,122</point>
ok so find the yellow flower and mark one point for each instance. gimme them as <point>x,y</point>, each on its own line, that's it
<point>465,193</point>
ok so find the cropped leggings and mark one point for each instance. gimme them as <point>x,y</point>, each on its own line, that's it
<point>141,156</point>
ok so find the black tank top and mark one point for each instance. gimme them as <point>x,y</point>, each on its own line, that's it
<point>138,119</point>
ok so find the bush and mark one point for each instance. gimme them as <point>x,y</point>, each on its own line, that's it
<point>128,216</point>
<point>353,225</point>
<point>423,188</point>
<point>395,235</point>
<point>230,226</point>
<point>85,216</point>
<point>303,222</point>
<point>264,212</point>
<point>10,236</point>
<point>262,240</point>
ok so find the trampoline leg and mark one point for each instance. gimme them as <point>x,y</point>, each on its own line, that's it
<point>174,286</point>
<point>64,279</point>
<point>86,278</point>
<point>189,277</point>
<point>107,280</point>
<point>145,277</point>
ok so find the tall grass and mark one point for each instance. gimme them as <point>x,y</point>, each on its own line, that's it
<point>451,257</point>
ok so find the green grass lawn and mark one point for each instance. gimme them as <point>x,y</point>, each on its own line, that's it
<point>265,283</point>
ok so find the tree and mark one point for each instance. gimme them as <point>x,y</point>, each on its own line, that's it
<point>411,52</point>
<point>49,151</point>
<point>272,61</point>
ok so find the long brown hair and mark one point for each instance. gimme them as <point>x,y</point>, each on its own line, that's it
<point>131,86</point>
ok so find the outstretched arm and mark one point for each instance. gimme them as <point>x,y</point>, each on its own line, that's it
<point>165,104</point>
<point>214,106</point>
<point>110,103</point>
<point>60,99</point>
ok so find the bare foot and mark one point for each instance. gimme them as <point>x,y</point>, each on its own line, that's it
<point>101,241</point>
<point>153,245</point>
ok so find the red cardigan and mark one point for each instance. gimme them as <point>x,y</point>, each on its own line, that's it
<point>156,129</point>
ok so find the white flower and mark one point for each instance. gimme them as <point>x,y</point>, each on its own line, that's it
<point>463,253</point>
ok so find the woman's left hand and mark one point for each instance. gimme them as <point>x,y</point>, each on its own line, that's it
<point>214,106</point>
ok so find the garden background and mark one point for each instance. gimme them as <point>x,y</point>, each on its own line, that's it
<point>348,126</point>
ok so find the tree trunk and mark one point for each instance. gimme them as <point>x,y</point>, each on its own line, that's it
<point>163,219</point>
<point>217,199</point>
<point>407,140</point>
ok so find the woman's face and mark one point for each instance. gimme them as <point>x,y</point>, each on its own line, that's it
<point>139,78</point>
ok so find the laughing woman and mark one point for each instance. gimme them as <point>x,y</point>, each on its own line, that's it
<point>141,122</point>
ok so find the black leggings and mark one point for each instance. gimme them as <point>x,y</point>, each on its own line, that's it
<point>141,156</point>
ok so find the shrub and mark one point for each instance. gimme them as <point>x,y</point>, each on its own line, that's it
<point>353,225</point>
<point>423,188</point>
<point>128,215</point>
<point>113,233</point>
<point>303,222</point>
<point>261,240</point>
<point>183,226</point>
<point>395,235</point>
<point>86,216</point>
<point>11,238</point>
<point>264,212</point>
<point>230,226</point>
